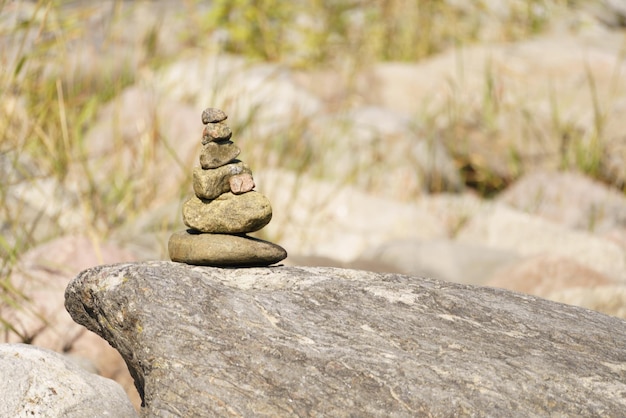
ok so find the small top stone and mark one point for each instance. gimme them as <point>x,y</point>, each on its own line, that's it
<point>212,115</point>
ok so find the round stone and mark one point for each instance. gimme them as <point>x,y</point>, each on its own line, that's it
<point>212,115</point>
<point>221,250</point>
<point>228,213</point>
<point>216,132</point>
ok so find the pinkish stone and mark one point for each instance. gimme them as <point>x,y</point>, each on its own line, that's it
<point>241,183</point>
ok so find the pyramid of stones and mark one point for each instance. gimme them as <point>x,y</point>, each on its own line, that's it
<point>225,207</point>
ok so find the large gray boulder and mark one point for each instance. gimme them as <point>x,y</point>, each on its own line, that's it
<point>568,198</point>
<point>35,382</point>
<point>295,341</point>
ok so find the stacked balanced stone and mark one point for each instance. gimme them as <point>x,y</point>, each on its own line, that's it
<point>225,207</point>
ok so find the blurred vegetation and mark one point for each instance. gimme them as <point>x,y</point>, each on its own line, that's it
<point>47,104</point>
<point>314,32</point>
<point>319,33</point>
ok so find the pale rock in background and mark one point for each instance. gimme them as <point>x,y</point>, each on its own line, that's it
<point>323,219</point>
<point>444,259</point>
<point>505,228</point>
<point>568,198</point>
<point>40,277</point>
<point>543,275</point>
<point>42,383</point>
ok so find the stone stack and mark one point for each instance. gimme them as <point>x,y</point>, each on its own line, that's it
<point>225,207</point>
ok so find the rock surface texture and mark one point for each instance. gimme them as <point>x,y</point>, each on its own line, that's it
<point>224,203</point>
<point>290,341</point>
<point>35,382</point>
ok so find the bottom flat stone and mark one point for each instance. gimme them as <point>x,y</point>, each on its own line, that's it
<point>221,250</point>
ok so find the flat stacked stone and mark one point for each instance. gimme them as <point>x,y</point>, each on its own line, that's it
<point>225,207</point>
